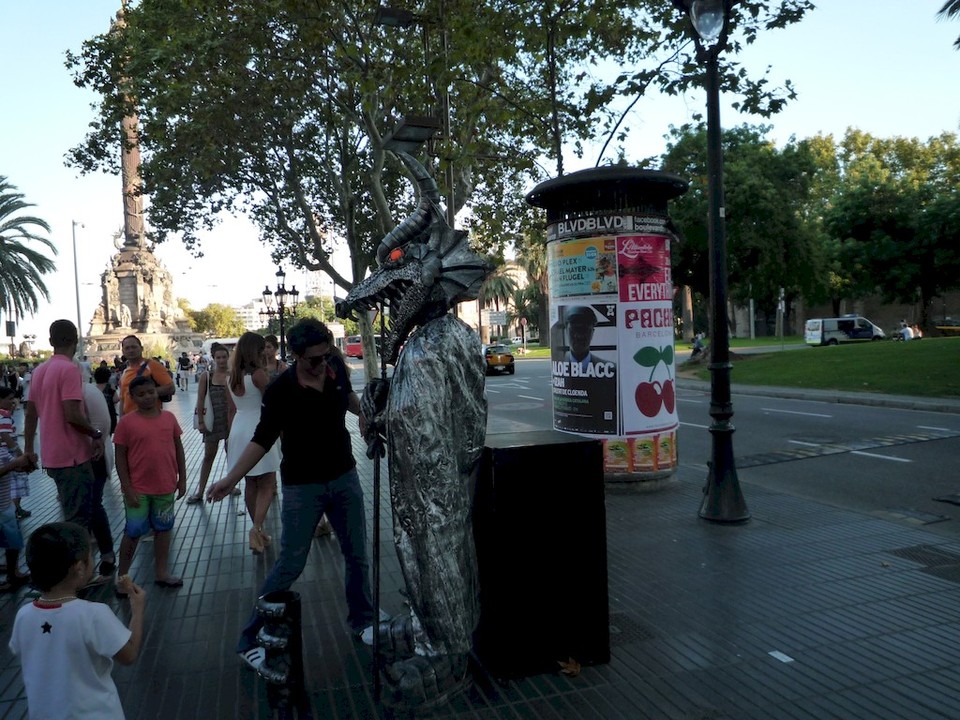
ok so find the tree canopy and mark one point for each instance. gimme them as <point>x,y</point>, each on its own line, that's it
<point>278,108</point>
<point>217,320</point>
<point>895,216</point>
<point>771,244</point>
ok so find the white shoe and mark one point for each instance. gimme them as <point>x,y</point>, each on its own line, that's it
<point>366,635</point>
<point>253,658</point>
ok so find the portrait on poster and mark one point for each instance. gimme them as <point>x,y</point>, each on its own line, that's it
<point>584,368</point>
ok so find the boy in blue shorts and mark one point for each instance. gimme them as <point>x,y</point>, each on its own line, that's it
<point>151,466</point>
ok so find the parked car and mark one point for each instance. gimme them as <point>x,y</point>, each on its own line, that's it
<point>498,359</point>
<point>516,341</point>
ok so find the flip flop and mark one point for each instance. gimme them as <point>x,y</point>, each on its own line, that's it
<point>169,583</point>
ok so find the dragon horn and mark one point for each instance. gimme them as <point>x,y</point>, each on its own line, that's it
<point>422,216</point>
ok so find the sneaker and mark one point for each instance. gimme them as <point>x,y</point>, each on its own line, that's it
<point>22,514</point>
<point>107,567</point>
<point>253,658</point>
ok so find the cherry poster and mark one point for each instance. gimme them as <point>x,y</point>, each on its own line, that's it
<point>647,370</point>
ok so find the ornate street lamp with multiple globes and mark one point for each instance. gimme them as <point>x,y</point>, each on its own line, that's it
<point>282,309</point>
<point>723,499</point>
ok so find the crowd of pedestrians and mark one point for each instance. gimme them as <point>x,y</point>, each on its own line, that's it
<point>81,422</point>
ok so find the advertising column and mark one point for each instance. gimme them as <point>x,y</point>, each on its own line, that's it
<point>611,314</point>
<point>612,339</point>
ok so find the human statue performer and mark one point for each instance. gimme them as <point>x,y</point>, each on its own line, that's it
<point>433,415</point>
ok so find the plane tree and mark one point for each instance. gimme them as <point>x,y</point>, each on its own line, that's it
<point>277,109</point>
<point>895,216</point>
<point>770,242</point>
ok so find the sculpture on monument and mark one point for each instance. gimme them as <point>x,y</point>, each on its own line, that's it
<point>433,416</point>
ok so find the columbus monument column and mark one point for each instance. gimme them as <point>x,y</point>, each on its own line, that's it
<point>137,290</point>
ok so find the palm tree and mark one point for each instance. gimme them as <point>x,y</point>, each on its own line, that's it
<point>532,256</point>
<point>498,286</point>
<point>21,267</point>
<point>950,9</point>
<point>524,305</point>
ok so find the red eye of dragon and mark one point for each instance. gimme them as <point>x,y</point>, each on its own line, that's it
<point>395,254</point>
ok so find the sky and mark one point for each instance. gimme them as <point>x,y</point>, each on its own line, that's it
<point>882,66</point>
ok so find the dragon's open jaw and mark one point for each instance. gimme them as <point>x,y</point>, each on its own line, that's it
<point>391,294</point>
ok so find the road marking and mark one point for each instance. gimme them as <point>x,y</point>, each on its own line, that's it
<point>879,457</point>
<point>702,427</point>
<point>854,452</point>
<point>495,392</point>
<point>930,427</point>
<point>530,397</point>
<point>782,657</point>
<point>796,412</point>
<point>697,402</point>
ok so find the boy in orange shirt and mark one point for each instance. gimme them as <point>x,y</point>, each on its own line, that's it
<point>151,466</point>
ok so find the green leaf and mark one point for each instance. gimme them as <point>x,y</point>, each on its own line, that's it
<point>647,357</point>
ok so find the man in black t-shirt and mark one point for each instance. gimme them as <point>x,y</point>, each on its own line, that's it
<point>305,407</point>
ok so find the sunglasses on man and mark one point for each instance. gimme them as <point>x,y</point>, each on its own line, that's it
<point>316,361</point>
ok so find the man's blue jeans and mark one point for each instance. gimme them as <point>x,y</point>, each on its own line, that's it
<point>303,506</point>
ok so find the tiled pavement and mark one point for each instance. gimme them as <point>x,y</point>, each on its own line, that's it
<point>807,612</point>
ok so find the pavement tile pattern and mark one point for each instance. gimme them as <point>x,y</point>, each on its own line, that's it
<point>806,612</point>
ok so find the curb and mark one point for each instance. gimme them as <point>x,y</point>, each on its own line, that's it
<point>900,402</point>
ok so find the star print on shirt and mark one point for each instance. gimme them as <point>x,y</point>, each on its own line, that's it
<point>47,627</point>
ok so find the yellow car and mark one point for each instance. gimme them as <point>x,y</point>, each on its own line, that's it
<point>499,359</point>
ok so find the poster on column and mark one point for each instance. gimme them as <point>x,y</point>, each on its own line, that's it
<point>647,350</point>
<point>582,267</point>
<point>584,367</point>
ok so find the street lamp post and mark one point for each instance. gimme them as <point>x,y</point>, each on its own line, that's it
<point>723,499</point>
<point>283,297</point>
<point>76,284</point>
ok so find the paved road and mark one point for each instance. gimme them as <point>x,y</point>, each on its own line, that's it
<point>891,461</point>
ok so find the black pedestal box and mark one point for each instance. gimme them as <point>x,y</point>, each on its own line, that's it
<point>540,529</point>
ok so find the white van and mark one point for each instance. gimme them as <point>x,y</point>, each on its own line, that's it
<point>832,331</point>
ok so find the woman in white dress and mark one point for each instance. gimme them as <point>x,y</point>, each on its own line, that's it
<point>248,380</point>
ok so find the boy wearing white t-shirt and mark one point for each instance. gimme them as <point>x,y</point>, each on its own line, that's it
<point>67,645</point>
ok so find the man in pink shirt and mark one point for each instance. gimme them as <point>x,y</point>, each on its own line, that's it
<point>70,442</point>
